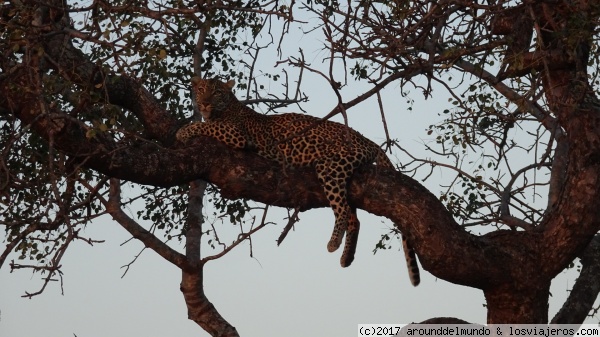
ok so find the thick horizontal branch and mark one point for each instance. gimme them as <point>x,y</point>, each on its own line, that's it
<point>445,248</point>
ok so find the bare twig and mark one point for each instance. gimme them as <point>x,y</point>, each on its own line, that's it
<point>292,220</point>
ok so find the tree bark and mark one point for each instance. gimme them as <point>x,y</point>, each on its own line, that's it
<point>522,303</point>
<point>200,309</point>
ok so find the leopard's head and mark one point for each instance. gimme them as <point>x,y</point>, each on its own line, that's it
<point>213,96</point>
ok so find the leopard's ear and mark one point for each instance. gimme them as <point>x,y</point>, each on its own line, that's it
<point>230,84</point>
<point>196,80</point>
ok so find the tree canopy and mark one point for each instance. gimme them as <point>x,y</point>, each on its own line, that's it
<point>92,93</point>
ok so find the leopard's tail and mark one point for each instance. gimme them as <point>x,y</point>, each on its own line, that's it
<point>411,262</point>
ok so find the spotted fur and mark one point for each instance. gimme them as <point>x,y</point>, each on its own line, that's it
<point>334,150</point>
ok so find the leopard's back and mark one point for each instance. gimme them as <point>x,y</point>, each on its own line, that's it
<point>302,140</point>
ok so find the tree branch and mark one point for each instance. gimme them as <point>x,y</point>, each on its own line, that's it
<point>113,207</point>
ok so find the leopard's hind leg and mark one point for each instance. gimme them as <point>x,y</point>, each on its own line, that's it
<point>351,240</point>
<point>334,182</point>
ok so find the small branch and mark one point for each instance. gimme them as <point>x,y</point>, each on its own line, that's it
<point>14,242</point>
<point>507,195</point>
<point>262,224</point>
<point>51,269</point>
<point>113,207</point>
<point>513,222</point>
<point>127,266</point>
<point>523,103</point>
<point>406,73</point>
<point>383,120</point>
<point>54,265</point>
<point>240,239</point>
<point>293,219</point>
<point>281,102</point>
<point>200,42</point>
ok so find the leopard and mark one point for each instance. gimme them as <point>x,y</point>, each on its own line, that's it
<point>334,150</point>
